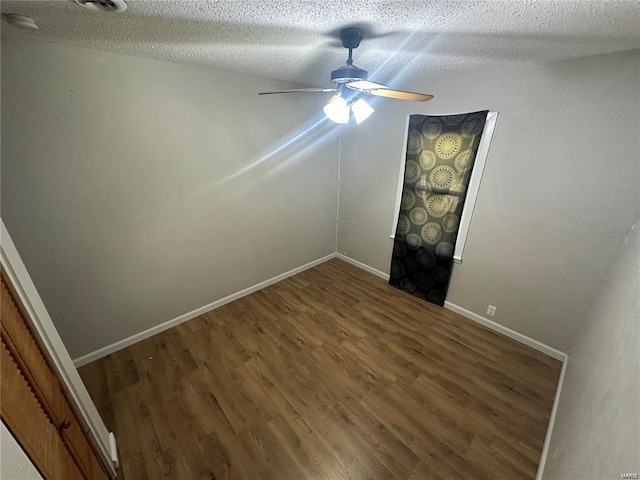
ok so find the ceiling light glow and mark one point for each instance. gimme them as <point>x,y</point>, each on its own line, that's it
<point>361,110</point>
<point>337,109</point>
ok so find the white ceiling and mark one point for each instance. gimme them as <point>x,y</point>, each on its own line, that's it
<point>297,40</point>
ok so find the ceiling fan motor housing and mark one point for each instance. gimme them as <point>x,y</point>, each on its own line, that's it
<point>348,73</point>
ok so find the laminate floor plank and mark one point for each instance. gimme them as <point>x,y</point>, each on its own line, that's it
<point>329,374</point>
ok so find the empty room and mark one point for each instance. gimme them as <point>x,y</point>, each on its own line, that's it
<point>320,240</point>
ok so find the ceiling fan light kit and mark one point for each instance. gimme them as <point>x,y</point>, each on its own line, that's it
<point>361,110</point>
<point>337,109</point>
<point>351,84</point>
<point>342,108</point>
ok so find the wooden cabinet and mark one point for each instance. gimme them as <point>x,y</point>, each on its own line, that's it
<point>35,407</point>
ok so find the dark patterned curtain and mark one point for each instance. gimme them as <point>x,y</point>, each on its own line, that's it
<point>441,151</point>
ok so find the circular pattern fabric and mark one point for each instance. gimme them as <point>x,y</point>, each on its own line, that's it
<point>462,161</point>
<point>473,125</point>
<point>440,274</point>
<point>408,200</point>
<point>423,187</point>
<point>410,265</point>
<point>418,216</point>
<point>411,172</point>
<point>397,269</point>
<point>427,159</point>
<point>436,296</point>
<point>450,223</point>
<point>448,145</point>
<point>431,128</point>
<point>414,142</point>
<point>399,249</point>
<point>426,258</point>
<point>404,225</point>
<point>408,285</point>
<point>438,205</point>
<point>413,241</point>
<point>452,119</point>
<point>415,122</point>
<point>423,281</point>
<point>442,177</point>
<point>431,233</point>
<point>444,249</point>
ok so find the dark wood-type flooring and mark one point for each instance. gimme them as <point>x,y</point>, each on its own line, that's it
<point>330,374</point>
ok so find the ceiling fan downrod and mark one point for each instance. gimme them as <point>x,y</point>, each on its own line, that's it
<point>351,38</point>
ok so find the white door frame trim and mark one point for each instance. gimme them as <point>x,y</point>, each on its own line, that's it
<point>41,322</point>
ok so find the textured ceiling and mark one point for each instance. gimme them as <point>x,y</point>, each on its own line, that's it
<point>297,40</point>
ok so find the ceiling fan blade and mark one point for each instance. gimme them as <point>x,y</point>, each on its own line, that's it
<point>380,90</point>
<point>301,90</point>
<point>364,85</point>
<point>399,95</point>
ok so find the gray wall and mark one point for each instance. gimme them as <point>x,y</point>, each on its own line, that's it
<point>113,188</point>
<point>559,189</point>
<point>597,430</point>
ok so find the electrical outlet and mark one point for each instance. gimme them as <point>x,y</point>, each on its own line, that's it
<point>491,310</point>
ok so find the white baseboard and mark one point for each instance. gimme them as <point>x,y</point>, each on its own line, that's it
<point>363,266</point>
<point>125,342</point>
<point>552,352</point>
<point>541,347</point>
<point>506,331</point>
<point>536,345</point>
<point>552,420</point>
<point>519,337</point>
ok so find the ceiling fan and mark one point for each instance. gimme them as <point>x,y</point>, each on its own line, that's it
<point>351,85</point>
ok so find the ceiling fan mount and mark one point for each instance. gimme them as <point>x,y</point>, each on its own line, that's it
<point>351,37</point>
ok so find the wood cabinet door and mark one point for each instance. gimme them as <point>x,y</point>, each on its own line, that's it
<point>34,405</point>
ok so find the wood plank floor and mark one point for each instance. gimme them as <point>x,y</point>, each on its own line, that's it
<point>330,374</point>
